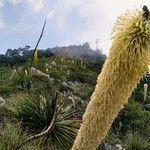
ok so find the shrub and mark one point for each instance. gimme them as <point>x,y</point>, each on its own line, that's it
<point>137,142</point>
<point>36,113</point>
<point>10,137</point>
<point>133,118</point>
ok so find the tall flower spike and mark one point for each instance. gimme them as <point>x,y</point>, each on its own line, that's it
<point>145,91</point>
<point>128,59</point>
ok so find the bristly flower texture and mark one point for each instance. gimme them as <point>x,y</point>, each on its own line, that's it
<point>128,60</point>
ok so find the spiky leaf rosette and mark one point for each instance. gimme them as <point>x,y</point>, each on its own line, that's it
<point>127,62</point>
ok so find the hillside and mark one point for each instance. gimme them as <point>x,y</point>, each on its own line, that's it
<point>74,81</point>
<point>84,51</point>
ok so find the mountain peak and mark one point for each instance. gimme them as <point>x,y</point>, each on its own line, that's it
<point>86,45</point>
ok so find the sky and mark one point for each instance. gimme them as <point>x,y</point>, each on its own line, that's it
<point>69,22</point>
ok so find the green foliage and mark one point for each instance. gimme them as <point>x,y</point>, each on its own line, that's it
<point>139,96</point>
<point>34,109</point>
<point>35,105</point>
<point>36,112</point>
<point>136,142</point>
<point>10,137</point>
<point>19,80</point>
<point>56,74</point>
<point>6,89</point>
<point>112,138</point>
<point>84,91</point>
<point>81,74</point>
<point>133,118</point>
<point>41,65</point>
<point>4,72</point>
<point>147,106</point>
<point>3,112</point>
<point>5,84</point>
<point>65,129</point>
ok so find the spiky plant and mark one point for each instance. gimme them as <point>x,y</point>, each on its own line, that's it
<point>43,117</point>
<point>127,62</point>
<point>25,73</point>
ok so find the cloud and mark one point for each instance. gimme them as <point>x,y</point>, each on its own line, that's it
<point>1,16</point>
<point>25,26</point>
<point>36,5</point>
<point>50,14</point>
<point>89,14</point>
<point>69,21</point>
<point>102,17</point>
<point>60,12</point>
<point>15,2</point>
<point>95,19</point>
<point>1,3</point>
<point>1,25</point>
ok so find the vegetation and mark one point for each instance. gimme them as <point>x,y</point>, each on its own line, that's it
<point>136,142</point>
<point>31,112</point>
<point>32,109</point>
<point>41,105</point>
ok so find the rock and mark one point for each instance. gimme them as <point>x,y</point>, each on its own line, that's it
<point>64,84</point>
<point>65,87</point>
<point>102,146</point>
<point>38,72</point>
<point>2,101</point>
<point>53,63</point>
<point>70,83</point>
<point>119,146</point>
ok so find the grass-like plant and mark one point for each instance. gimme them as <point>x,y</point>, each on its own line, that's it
<point>137,142</point>
<point>43,116</point>
<point>10,136</point>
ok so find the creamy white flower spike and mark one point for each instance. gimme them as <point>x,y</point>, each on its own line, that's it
<point>127,62</point>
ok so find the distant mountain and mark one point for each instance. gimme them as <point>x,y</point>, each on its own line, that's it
<point>79,52</point>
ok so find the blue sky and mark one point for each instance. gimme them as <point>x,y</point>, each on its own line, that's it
<point>69,22</point>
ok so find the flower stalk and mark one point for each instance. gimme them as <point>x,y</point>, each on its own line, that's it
<point>127,62</point>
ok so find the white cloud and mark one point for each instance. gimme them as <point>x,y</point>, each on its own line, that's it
<point>36,5</point>
<point>14,2</point>
<point>1,3</point>
<point>23,27</point>
<point>59,13</point>
<point>50,14</point>
<point>2,25</point>
<point>1,20</point>
<point>99,14</point>
<point>91,12</point>
<point>104,21</point>
<point>102,17</point>
<point>94,18</point>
